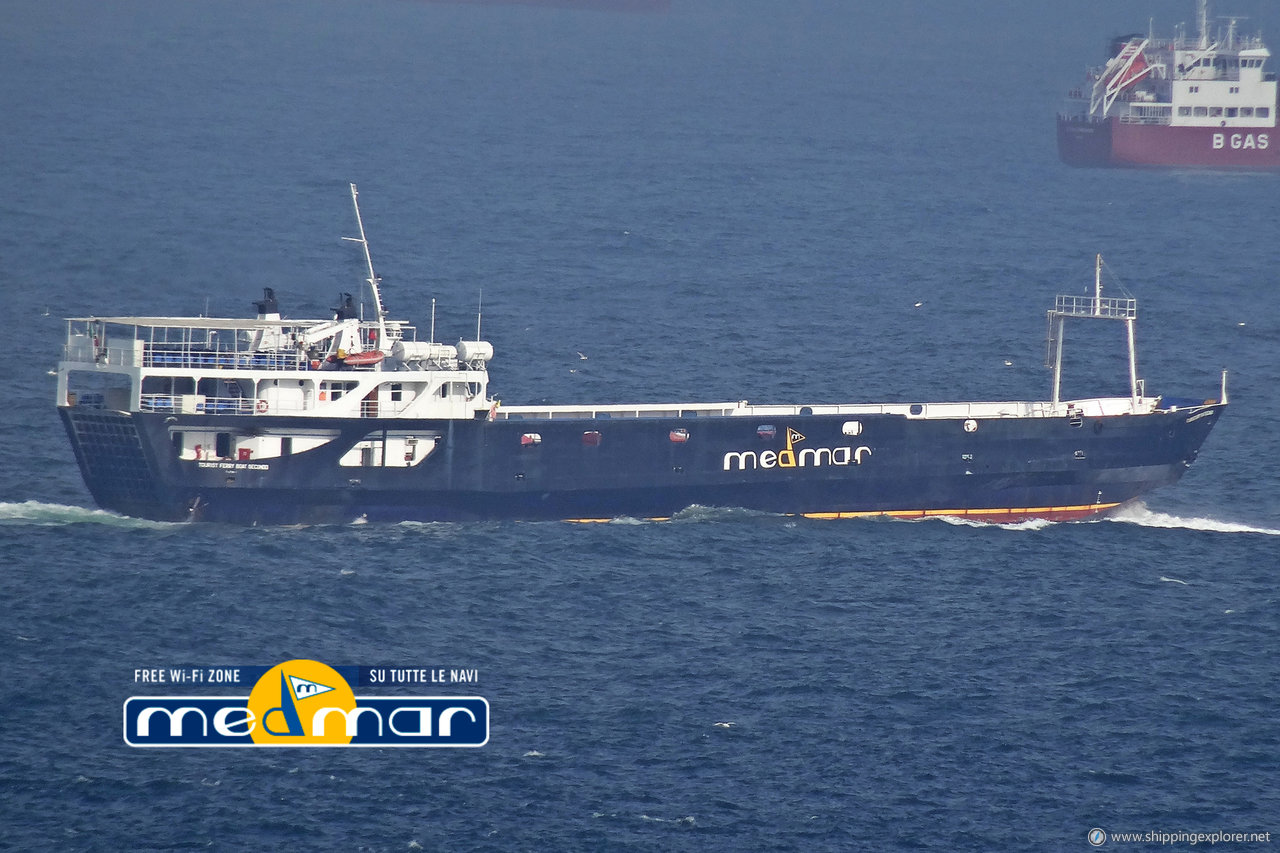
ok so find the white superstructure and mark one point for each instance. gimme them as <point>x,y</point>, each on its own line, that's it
<point>1217,79</point>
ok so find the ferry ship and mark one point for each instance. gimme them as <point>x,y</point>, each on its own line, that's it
<point>271,420</point>
<point>1202,102</point>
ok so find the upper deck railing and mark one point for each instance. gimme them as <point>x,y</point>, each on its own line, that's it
<point>170,355</point>
<point>199,344</point>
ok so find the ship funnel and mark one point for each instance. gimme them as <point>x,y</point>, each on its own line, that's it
<point>268,307</point>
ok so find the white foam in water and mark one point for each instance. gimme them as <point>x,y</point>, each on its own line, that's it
<point>37,512</point>
<point>1029,524</point>
<point>1137,513</point>
<point>697,512</point>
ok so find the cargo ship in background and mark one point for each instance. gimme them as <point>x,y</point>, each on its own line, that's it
<point>1207,101</point>
<point>343,419</point>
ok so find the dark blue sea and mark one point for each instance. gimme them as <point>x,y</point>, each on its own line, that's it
<point>712,201</point>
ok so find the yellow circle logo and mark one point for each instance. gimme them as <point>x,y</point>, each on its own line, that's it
<point>302,703</point>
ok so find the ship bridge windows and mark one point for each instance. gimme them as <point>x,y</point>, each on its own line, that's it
<point>1262,112</point>
<point>333,391</point>
<point>454,389</point>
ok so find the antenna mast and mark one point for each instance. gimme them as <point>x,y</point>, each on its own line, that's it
<point>372,279</point>
<point>1097,286</point>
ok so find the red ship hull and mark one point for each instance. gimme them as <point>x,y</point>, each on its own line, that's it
<point>1112,143</point>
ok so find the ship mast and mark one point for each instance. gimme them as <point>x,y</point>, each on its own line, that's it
<point>372,279</point>
<point>1095,307</point>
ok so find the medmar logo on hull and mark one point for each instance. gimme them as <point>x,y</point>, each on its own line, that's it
<point>809,457</point>
<point>305,703</point>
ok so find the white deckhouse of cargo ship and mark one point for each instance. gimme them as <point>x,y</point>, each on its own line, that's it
<point>275,420</point>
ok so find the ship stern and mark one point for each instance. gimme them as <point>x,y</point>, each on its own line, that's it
<point>118,464</point>
<point>1083,141</point>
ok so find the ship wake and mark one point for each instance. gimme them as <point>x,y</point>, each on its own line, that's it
<point>1029,524</point>
<point>43,514</point>
<point>1138,513</point>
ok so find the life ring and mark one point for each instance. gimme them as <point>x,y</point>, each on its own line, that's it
<point>262,407</point>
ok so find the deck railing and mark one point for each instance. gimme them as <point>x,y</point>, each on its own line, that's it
<point>200,405</point>
<point>165,355</point>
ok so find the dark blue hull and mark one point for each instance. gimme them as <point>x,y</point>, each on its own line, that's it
<point>652,467</point>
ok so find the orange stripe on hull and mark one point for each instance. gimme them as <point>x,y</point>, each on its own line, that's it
<point>990,516</point>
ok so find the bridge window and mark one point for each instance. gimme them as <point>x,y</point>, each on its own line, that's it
<point>454,389</point>
<point>1184,111</point>
<point>1262,112</point>
<point>335,390</point>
